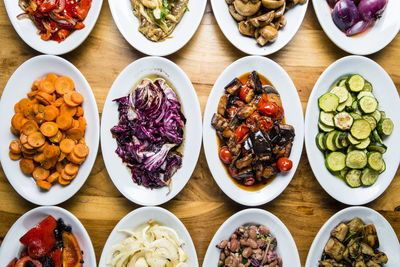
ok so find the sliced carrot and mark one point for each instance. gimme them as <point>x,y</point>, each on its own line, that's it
<point>53,177</point>
<point>29,127</point>
<point>35,85</point>
<point>44,98</point>
<point>64,121</point>
<point>38,157</point>
<point>77,97</point>
<point>49,163</point>
<point>61,157</point>
<point>65,109</point>
<point>36,139</point>
<point>64,84</point>
<point>43,184</point>
<point>79,111</point>
<point>58,102</point>
<point>75,159</point>
<point>82,141</point>
<point>68,99</point>
<point>15,146</point>
<point>82,123</point>
<point>17,107</point>
<point>40,149</point>
<point>14,156</point>
<point>63,181</point>
<point>56,138</point>
<point>52,77</point>
<point>17,121</point>
<point>27,156</point>
<point>75,124</point>
<point>39,118</point>
<point>34,101</point>
<point>71,169</point>
<point>81,150</point>
<point>32,94</point>
<point>51,151</point>
<point>75,133</point>
<point>26,150</point>
<point>14,131</point>
<point>67,145</point>
<point>60,166</point>
<point>23,138</point>
<point>27,166</point>
<point>40,173</point>
<point>49,128</point>
<point>46,86</point>
<point>28,147</point>
<point>66,176</point>
<point>28,111</point>
<point>50,113</point>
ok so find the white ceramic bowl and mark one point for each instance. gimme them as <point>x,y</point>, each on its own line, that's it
<point>140,217</point>
<point>286,248</point>
<point>229,27</point>
<point>128,24</point>
<point>119,173</point>
<point>27,30</point>
<point>388,98</point>
<point>388,242</point>
<point>293,114</point>
<point>17,87</point>
<point>371,41</point>
<point>11,247</point>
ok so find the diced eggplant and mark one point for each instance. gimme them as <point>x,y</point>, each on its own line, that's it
<point>354,249</point>
<point>227,133</point>
<point>246,111</point>
<point>220,136</point>
<point>219,122</point>
<point>233,87</point>
<point>244,162</point>
<point>254,82</point>
<point>356,225</point>
<point>247,146</point>
<point>261,144</point>
<point>282,151</point>
<point>380,258</point>
<point>340,232</point>
<point>367,250</point>
<point>286,131</point>
<point>370,236</point>
<point>249,96</point>
<point>246,172</point>
<point>274,98</point>
<point>223,101</point>
<point>233,147</point>
<point>269,172</point>
<point>268,89</point>
<point>334,249</point>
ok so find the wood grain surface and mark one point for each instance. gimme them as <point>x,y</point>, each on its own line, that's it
<point>304,206</point>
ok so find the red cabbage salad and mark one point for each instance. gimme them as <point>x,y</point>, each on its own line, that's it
<point>149,132</point>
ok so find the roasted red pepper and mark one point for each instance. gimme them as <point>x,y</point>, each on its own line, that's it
<point>56,257</point>
<point>12,262</point>
<point>47,6</point>
<point>83,8</point>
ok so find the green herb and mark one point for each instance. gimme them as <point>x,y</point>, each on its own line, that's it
<point>323,256</point>
<point>244,261</point>
<point>165,3</point>
<point>349,235</point>
<point>187,8</point>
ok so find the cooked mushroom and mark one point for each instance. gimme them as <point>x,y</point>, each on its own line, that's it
<point>273,4</point>
<point>246,28</point>
<point>247,8</point>
<point>263,19</point>
<point>235,14</point>
<point>280,22</point>
<point>269,33</point>
<point>229,2</point>
<point>281,10</point>
<point>334,249</point>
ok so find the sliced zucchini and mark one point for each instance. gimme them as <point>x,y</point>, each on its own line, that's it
<point>343,139</point>
<point>363,144</point>
<point>368,104</point>
<point>383,167</point>
<point>377,115</point>
<point>352,140</point>
<point>369,177</point>
<point>381,148</point>
<point>364,93</point>
<point>353,178</point>
<point>355,108</point>
<point>360,129</point>
<point>319,140</point>
<point>383,114</point>
<point>343,173</point>
<point>343,120</point>
<point>340,92</point>
<point>329,141</point>
<point>375,161</point>
<point>367,86</point>
<point>355,116</point>
<point>335,161</point>
<point>371,120</point>
<point>385,126</point>
<point>376,137</point>
<point>355,83</point>
<point>356,159</point>
<point>338,142</point>
<point>347,104</point>
<point>350,148</point>
<point>342,81</point>
<point>325,128</point>
<point>326,118</point>
<point>328,102</point>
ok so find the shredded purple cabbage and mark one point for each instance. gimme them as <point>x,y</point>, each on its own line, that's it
<point>149,131</point>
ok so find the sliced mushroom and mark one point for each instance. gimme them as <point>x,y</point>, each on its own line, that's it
<point>281,10</point>
<point>246,9</point>
<point>234,13</point>
<point>269,33</point>
<point>266,18</point>
<point>261,40</point>
<point>280,22</point>
<point>229,2</point>
<point>246,28</point>
<point>273,4</point>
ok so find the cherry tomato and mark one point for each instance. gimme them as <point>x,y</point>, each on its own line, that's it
<point>225,155</point>
<point>232,111</point>
<point>243,92</point>
<point>263,100</point>
<point>269,109</point>
<point>265,125</point>
<point>284,164</point>
<point>241,134</point>
<point>239,103</point>
<point>255,116</point>
<point>233,172</point>
<point>280,114</point>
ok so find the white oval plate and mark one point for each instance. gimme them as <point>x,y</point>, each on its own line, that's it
<point>388,242</point>
<point>286,248</point>
<point>27,30</point>
<point>388,98</point>
<point>375,39</point>
<point>128,24</point>
<point>229,27</point>
<point>141,216</point>
<point>17,87</point>
<point>11,247</point>
<point>293,115</point>
<point>119,173</point>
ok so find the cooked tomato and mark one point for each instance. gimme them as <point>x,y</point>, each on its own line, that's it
<point>232,111</point>
<point>243,92</point>
<point>239,103</point>
<point>265,125</point>
<point>225,155</point>
<point>241,133</point>
<point>284,164</point>
<point>280,114</point>
<point>255,116</point>
<point>269,109</point>
<point>12,262</point>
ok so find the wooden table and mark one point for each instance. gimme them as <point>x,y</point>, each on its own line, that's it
<point>304,206</point>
